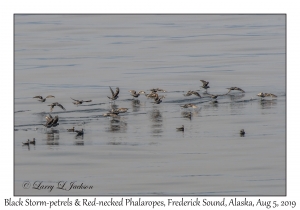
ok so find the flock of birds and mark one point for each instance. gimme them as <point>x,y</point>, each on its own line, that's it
<point>114,112</point>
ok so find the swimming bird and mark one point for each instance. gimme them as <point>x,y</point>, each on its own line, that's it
<point>242,132</point>
<point>32,142</point>
<point>114,96</point>
<point>204,84</point>
<point>76,102</point>
<point>41,99</point>
<point>262,95</point>
<point>188,106</point>
<point>235,88</point>
<point>181,128</point>
<point>135,94</point>
<point>79,132</point>
<point>55,104</point>
<point>26,143</point>
<point>71,130</point>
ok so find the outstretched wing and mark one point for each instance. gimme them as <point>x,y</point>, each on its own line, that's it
<point>117,92</point>
<point>61,106</point>
<point>132,92</point>
<point>55,120</point>
<point>112,92</point>
<point>40,97</point>
<point>49,117</point>
<point>239,89</point>
<point>204,82</point>
<point>50,96</point>
<point>88,101</point>
<point>196,93</point>
<point>74,99</point>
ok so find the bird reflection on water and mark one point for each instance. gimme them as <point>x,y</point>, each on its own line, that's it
<point>135,105</point>
<point>268,104</point>
<point>156,118</point>
<point>236,96</point>
<point>117,126</point>
<point>187,115</point>
<point>52,136</point>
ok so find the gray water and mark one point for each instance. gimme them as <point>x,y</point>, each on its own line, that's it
<point>141,153</point>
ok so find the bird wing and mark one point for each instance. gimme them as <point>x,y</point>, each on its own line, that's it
<point>49,117</point>
<point>61,106</point>
<point>239,89</point>
<point>204,82</point>
<point>55,120</point>
<point>112,92</point>
<point>49,122</point>
<point>40,97</point>
<point>88,101</point>
<point>196,93</point>
<point>117,92</point>
<point>50,96</point>
<point>74,99</point>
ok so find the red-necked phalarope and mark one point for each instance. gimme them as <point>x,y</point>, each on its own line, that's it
<point>242,132</point>
<point>262,95</point>
<point>26,143</point>
<point>71,129</point>
<point>79,132</point>
<point>32,141</point>
<point>181,128</point>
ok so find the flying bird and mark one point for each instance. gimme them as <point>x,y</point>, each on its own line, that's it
<point>55,104</point>
<point>114,96</point>
<point>41,99</point>
<point>76,102</point>
<point>204,84</point>
<point>235,88</point>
